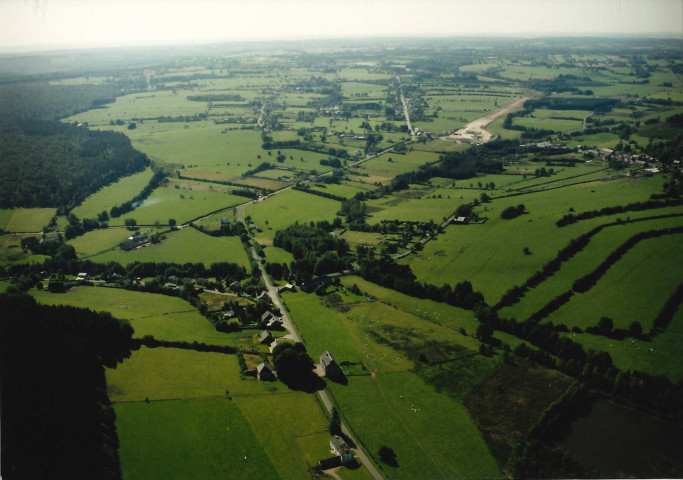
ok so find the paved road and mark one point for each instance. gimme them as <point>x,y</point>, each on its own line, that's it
<point>359,451</point>
<point>405,109</point>
<point>273,293</point>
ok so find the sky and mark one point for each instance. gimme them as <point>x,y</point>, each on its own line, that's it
<point>49,24</point>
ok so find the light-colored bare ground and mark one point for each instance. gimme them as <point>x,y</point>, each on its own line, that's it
<point>475,132</point>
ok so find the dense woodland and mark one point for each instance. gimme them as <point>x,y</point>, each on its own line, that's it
<point>53,164</point>
<point>57,421</point>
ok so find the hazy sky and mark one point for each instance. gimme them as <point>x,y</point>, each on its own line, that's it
<point>59,23</point>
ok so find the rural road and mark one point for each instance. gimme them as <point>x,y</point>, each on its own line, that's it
<point>359,451</point>
<point>273,293</point>
<point>405,109</point>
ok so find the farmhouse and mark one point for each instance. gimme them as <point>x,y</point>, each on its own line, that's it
<point>265,373</point>
<point>266,338</point>
<point>339,446</point>
<point>330,366</point>
<point>134,242</point>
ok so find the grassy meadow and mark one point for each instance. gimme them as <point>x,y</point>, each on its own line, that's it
<point>182,246</point>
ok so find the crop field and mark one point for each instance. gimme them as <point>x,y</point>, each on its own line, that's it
<point>29,220</point>
<point>183,246</point>
<point>286,208</point>
<point>199,147</point>
<point>200,438</point>
<point>379,406</point>
<point>114,194</point>
<point>346,190</point>
<point>386,167</point>
<point>129,107</point>
<point>163,317</point>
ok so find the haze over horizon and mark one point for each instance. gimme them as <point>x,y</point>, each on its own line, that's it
<point>53,24</point>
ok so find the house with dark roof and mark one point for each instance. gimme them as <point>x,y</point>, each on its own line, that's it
<point>328,463</point>
<point>331,366</point>
<point>265,373</point>
<point>266,338</point>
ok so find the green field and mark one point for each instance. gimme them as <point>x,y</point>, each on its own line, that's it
<point>475,252</point>
<point>162,316</point>
<point>637,286</point>
<point>182,200</point>
<point>171,374</point>
<point>286,208</point>
<point>656,357</point>
<point>98,241</point>
<point>373,405</point>
<point>30,220</point>
<point>600,246</point>
<point>433,436</point>
<point>278,255</point>
<point>185,245</point>
<point>125,189</point>
<point>208,439</point>
<point>5,216</point>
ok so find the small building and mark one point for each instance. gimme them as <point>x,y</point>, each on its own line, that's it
<point>273,344</point>
<point>339,446</point>
<point>288,288</point>
<point>330,366</point>
<point>134,242</point>
<point>276,324</point>
<point>265,373</point>
<point>328,463</point>
<point>262,295</point>
<point>266,338</point>
<point>82,276</point>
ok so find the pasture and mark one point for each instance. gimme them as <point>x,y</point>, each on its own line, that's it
<point>285,208</point>
<point>633,290</point>
<point>180,439</point>
<point>114,194</point>
<point>162,316</point>
<point>599,247</point>
<point>182,246</point>
<point>97,241</point>
<point>474,252</point>
<point>373,405</point>
<point>433,436</point>
<point>29,220</point>
<point>182,200</point>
